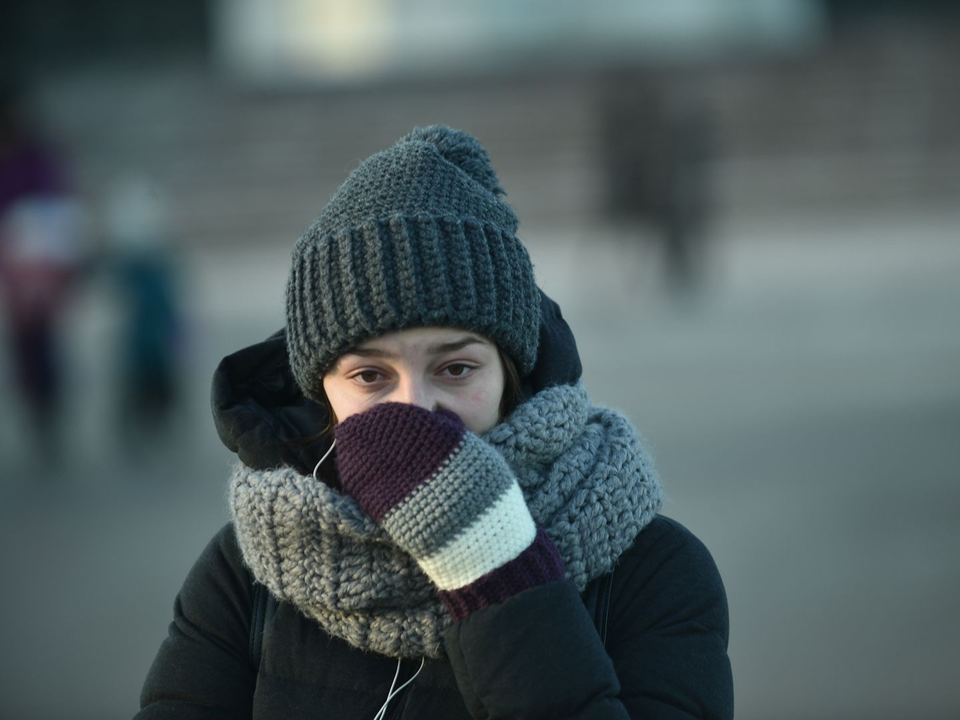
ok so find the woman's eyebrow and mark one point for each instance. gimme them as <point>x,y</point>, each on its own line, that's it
<point>454,345</point>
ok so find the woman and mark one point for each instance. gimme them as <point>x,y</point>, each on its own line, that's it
<point>442,524</point>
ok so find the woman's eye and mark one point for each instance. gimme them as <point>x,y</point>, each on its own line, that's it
<point>368,376</point>
<point>457,369</point>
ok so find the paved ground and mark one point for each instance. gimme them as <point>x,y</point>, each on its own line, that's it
<point>804,410</point>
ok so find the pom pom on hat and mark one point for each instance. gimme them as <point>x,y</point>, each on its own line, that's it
<point>462,150</point>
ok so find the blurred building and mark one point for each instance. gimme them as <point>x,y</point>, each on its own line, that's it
<point>334,41</point>
<point>250,111</point>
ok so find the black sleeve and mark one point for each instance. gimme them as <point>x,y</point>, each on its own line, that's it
<point>669,627</point>
<point>202,669</point>
<point>538,655</point>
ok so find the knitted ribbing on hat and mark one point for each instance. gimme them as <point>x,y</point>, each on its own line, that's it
<point>416,236</point>
<point>585,476</point>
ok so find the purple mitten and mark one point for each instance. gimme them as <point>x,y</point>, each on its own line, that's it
<point>449,499</point>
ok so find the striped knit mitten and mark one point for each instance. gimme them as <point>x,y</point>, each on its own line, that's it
<point>449,499</point>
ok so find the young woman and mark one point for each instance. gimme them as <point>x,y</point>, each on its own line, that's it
<point>430,519</point>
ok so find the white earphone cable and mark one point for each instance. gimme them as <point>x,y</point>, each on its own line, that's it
<point>391,693</point>
<point>325,456</point>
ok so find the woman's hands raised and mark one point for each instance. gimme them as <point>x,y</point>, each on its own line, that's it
<point>449,499</point>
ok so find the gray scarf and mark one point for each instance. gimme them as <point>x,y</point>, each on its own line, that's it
<point>586,478</point>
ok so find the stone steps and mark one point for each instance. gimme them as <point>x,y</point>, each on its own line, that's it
<point>862,122</point>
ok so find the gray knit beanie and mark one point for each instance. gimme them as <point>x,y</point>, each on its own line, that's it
<point>416,236</point>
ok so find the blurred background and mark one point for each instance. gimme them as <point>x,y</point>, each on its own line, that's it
<point>748,211</point>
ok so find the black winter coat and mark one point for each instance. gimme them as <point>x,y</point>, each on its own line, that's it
<point>537,655</point>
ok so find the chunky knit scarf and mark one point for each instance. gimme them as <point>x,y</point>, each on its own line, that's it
<point>585,476</point>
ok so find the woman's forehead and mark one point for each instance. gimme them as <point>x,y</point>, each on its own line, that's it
<point>427,340</point>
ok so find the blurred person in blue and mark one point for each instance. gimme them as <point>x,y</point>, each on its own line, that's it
<point>40,228</point>
<point>430,517</point>
<point>145,276</point>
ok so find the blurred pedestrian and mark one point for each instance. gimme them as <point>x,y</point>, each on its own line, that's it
<point>40,223</point>
<point>658,146</point>
<point>426,493</point>
<point>143,269</point>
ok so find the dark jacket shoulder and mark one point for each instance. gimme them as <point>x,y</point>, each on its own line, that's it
<point>205,656</point>
<point>669,564</point>
<point>669,625</point>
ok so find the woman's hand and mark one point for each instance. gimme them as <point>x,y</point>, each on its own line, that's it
<point>449,499</point>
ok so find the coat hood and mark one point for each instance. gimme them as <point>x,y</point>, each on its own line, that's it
<point>262,415</point>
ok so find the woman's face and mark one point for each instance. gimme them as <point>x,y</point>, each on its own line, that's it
<point>431,367</point>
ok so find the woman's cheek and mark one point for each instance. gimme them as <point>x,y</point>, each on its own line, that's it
<point>482,410</point>
<point>476,400</point>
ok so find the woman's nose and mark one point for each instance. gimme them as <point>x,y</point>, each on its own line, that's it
<point>414,392</point>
